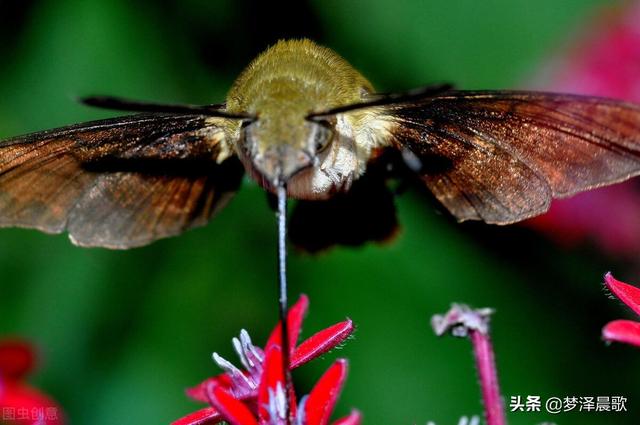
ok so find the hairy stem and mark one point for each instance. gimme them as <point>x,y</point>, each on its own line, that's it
<point>462,321</point>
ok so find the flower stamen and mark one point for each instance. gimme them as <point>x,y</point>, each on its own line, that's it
<point>236,374</point>
<point>277,407</point>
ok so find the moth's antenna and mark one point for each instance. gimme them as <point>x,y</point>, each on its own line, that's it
<point>383,99</point>
<point>129,105</point>
<point>282,280</point>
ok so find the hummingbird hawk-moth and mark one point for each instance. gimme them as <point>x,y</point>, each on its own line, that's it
<point>299,116</point>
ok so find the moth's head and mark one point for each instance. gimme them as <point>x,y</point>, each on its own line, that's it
<point>279,147</point>
<point>281,87</point>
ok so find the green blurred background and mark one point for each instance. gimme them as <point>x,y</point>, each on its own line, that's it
<point>123,333</point>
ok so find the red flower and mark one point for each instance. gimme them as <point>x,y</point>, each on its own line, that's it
<point>606,62</point>
<point>20,403</point>
<point>626,331</point>
<point>314,409</point>
<point>245,384</point>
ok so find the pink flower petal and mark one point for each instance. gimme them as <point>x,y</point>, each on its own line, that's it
<point>630,295</point>
<point>294,322</point>
<point>353,419</point>
<point>324,394</point>
<point>206,416</point>
<point>231,409</point>
<point>625,331</point>
<point>16,359</point>
<point>199,392</point>
<point>321,342</point>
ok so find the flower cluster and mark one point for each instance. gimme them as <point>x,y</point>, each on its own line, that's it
<point>274,400</point>
<point>257,393</point>
<point>626,331</point>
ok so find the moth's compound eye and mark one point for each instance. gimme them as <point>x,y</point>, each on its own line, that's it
<point>247,123</point>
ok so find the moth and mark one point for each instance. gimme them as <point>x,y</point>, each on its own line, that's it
<point>300,117</point>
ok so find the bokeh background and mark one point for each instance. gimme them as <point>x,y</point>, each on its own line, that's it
<point>121,334</point>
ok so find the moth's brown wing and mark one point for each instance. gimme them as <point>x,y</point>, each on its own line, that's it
<point>502,156</point>
<point>117,183</point>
